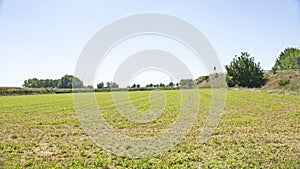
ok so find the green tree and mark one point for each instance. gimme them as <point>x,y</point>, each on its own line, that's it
<point>108,84</point>
<point>100,85</point>
<point>244,72</point>
<point>114,85</point>
<point>171,84</point>
<point>33,83</point>
<point>69,81</point>
<point>186,82</point>
<point>66,81</point>
<point>76,82</point>
<point>287,60</point>
<point>111,85</point>
<point>25,83</point>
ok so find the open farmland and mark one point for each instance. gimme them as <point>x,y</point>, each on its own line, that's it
<point>257,130</point>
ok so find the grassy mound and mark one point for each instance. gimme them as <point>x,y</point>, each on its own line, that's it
<point>283,81</point>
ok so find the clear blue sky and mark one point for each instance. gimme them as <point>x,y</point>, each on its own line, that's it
<point>44,39</point>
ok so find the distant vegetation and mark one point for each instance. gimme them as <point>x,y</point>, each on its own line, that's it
<point>66,81</point>
<point>242,71</point>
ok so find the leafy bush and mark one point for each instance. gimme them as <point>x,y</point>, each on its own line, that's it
<point>244,72</point>
<point>284,82</point>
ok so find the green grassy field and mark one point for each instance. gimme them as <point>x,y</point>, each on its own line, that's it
<point>257,130</point>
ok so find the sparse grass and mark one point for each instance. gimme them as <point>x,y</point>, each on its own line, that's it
<point>283,82</point>
<point>257,130</point>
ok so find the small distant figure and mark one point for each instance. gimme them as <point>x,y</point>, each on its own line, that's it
<point>215,68</point>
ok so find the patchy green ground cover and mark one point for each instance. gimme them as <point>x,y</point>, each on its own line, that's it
<point>257,130</point>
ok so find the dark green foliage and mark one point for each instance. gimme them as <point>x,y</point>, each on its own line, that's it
<point>108,84</point>
<point>39,83</point>
<point>161,85</point>
<point>171,84</point>
<point>133,86</point>
<point>66,81</point>
<point>100,85</point>
<point>244,72</point>
<point>150,85</point>
<point>229,81</point>
<point>287,60</point>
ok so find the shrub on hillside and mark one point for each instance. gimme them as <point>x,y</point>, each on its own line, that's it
<point>284,82</point>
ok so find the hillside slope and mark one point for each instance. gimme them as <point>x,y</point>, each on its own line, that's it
<point>279,82</point>
<point>283,81</point>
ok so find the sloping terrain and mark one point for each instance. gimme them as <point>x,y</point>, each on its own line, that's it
<point>283,81</point>
<point>205,81</point>
<point>288,81</point>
